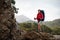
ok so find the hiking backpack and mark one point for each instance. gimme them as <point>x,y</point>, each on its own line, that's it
<point>42,11</point>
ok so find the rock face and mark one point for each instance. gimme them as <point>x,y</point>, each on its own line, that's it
<point>8,29</point>
<point>37,36</point>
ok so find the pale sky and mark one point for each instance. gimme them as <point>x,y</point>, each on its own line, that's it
<point>29,8</point>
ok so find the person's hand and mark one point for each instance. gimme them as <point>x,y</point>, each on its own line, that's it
<point>35,18</point>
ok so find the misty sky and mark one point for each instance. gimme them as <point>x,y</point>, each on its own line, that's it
<point>29,8</point>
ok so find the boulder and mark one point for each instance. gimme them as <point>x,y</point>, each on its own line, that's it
<point>37,36</point>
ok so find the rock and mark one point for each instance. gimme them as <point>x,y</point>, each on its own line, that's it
<point>8,27</point>
<point>37,36</point>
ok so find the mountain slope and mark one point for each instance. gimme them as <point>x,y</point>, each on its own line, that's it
<point>22,18</point>
<point>54,23</point>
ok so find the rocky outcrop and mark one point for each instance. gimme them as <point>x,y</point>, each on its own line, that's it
<point>8,26</point>
<point>37,36</point>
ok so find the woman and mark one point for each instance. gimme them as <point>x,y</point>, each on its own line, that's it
<point>39,18</point>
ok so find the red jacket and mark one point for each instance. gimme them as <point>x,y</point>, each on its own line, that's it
<point>39,16</point>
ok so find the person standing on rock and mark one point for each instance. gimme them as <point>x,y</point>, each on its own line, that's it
<point>40,17</point>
